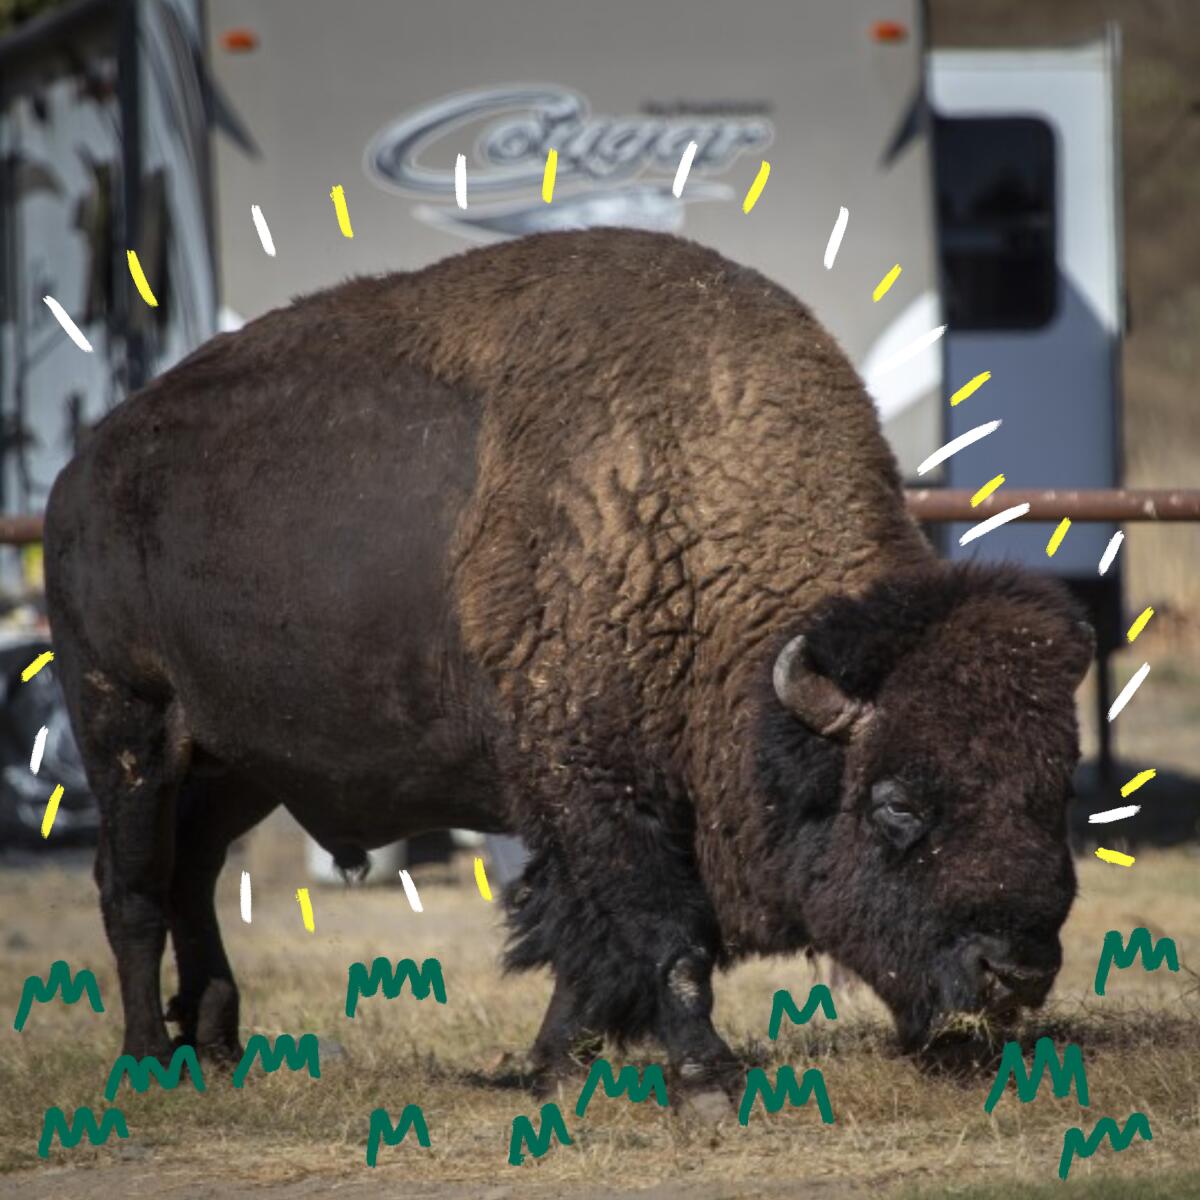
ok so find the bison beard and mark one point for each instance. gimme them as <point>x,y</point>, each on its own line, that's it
<point>594,537</point>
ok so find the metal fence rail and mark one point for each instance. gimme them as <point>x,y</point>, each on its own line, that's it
<point>1111,504</point>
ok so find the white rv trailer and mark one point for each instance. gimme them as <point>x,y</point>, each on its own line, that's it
<point>381,98</point>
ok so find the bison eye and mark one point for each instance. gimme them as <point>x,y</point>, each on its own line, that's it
<point>900,821</point>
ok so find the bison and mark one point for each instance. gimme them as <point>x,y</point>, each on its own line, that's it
<point>589,536</point>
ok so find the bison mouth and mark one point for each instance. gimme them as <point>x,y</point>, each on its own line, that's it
<point>975,986</point>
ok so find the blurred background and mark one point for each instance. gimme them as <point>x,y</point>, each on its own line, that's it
<point>1033,169</point>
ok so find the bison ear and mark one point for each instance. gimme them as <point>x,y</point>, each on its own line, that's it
<point>814,697</point>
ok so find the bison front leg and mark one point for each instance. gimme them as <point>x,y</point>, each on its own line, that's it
<point>612,901</point>
<point>564,1045</point>
<point>700,1059</point>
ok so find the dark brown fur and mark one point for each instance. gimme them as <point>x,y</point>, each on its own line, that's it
<point>514,542</point>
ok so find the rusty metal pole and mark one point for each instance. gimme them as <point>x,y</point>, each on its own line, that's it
<point>1092,504</point>
<point>20,531</point>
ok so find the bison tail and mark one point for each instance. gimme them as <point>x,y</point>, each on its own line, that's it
<point>351,861</point>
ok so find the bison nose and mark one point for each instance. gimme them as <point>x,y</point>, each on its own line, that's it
<point>1016,984</point>
<point>1005,981</point>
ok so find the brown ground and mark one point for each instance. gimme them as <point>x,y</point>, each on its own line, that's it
<point>893,1127</point>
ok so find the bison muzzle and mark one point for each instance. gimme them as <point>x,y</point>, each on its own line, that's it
<point>589,536</point>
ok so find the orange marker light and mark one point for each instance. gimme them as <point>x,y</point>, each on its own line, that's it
<point>238,41</point>
<point>889,31</point>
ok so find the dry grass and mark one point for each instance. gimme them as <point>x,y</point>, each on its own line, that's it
<point>894,1127</point>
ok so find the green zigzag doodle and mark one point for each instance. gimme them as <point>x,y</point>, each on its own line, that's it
<point>785,1091</point>
<point>538,1140</point>
<point>638,1086</point>
<point>84,1122</point>
<point>1123,954</point>
<point>364,983</point>
<point>59,979</point>
<point>305,1053</point>
<point>141,1070</point>
<point>784,1006</point>
<point>1077,1145</point>
<point>412,1118</point>
<point>1062,1072</point>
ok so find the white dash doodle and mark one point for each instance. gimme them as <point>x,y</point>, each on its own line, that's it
<point>1001,518</point>
<point>1114,814</point>
<point>264,234</point>
<point>39,748</point>
<point>959,443</point>
<point>1110,551</point>
<point>246,897</point>
<point>1128,690</point>
<point>69,327</point>
<point>685,165</point>
<point>460,180</point>
<point>410,890</point>
<point>835,237</point>
<point>905,353</point>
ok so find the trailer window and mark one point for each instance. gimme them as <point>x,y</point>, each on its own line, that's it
<point>996,218</point>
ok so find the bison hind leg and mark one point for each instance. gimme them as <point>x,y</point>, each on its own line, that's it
<point>134,765</point>
<point>212,812</point>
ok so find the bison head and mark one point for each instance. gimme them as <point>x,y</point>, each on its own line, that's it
<point>920,754</point>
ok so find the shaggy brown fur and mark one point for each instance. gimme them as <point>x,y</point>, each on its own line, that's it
<point>515,542</point>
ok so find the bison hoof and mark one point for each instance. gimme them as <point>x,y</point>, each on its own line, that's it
<point>552,1079</point>
<point>217,1054</point>
<point>163,1051</point>
<point>209,1025</point>
<point>695,1076</point>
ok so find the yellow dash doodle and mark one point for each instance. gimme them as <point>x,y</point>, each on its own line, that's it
<point>987,489</point>
<point>970,387</point>
<point>51,810</point>
<point>338,196</point>
<point>139,279</point>
<point>305,908</point>
<point>481,880</point>
<point>1115,856</point>
<point>37,664</point>
<point>881,288</point>
<point>548,176</point>
<point>1136,782</point>
<point>760,182</point>
<point>1140,624</point>
<point>1057,536</point>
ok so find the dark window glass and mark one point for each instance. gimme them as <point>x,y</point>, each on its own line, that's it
<point>996,221</point>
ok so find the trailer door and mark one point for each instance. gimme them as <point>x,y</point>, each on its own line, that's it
<point>1026,170</point>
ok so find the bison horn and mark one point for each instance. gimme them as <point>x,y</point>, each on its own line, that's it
<point>814,697</point>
